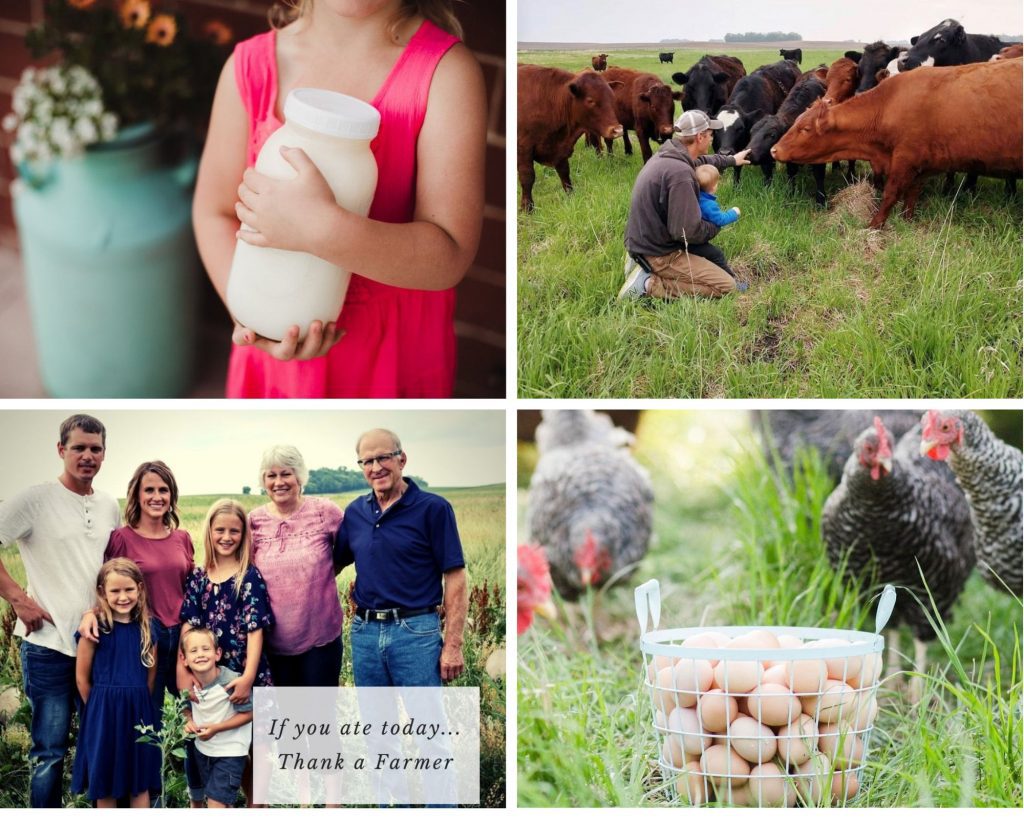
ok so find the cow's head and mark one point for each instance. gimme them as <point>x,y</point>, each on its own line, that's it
<point>937,46</point>
<point>660,102</point>
<point>594,104</point>
<point>801,143</point>
<point>874,58</point>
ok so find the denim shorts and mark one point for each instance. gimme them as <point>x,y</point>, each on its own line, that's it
<point>222,776</point>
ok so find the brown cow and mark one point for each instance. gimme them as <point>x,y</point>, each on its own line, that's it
<point>599,62</point>
<point>554,108</point>
<point>1008,53</point>
<point>913,124</point>
<point>644,104</point>
<point>840,81</point>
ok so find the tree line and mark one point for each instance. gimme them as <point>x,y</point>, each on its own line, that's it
<point>326,481</point>
<point>762,37</point>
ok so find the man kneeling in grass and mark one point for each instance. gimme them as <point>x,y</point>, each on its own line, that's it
<point>665,218</point>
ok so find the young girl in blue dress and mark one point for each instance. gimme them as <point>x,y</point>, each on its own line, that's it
<point>228,596</point>
<point>115,679</point>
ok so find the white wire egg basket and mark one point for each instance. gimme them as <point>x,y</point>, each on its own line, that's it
<point>762,716</point>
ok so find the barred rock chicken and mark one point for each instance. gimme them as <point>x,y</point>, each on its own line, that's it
<point>893,512</point>
<point>831,432</point>
<point>989,472</point>
<point>533,586</point>
<point>589,503</point>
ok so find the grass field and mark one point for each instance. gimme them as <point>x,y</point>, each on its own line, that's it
<point>735,545</point>
<point>926,308</point>
<point>480,514</point>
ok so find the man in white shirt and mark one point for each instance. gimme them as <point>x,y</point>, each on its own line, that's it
<point>61,529</point>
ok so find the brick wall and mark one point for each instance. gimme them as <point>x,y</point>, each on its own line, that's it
<point>480,318</point>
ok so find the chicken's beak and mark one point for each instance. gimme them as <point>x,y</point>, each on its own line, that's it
<point>546,610</point>
<point>886,464</point>
<point>928,445</point>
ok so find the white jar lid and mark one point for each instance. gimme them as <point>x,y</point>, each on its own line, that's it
<point>331,113</point>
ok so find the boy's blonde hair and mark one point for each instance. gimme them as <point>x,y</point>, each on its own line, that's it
<point>707,176</point>
<point>438,12</point>
<point>227,506</point>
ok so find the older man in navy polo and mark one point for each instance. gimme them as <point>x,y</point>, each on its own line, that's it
<point>409,565</point>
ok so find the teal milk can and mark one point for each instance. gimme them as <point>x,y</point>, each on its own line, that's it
<point>111,270</point>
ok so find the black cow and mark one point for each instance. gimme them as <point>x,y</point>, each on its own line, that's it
<point>709,82</point>
<point>948,44</point>
<point>666,56</point>
<point>794,54</point>
<point>770,129</point>
<point>755,96</point>
<point>870,61</point>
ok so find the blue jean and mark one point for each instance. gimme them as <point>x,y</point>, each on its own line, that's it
<point>397,652</point>
<point>50,688</point>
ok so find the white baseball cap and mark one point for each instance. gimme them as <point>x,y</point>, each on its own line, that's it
<point>691,123</point>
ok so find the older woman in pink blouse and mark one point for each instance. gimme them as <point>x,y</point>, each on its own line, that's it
<point>292,545</point>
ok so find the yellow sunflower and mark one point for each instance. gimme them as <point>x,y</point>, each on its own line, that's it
<point>217,32</point>
<point>134,13</point>
<point>162,30</point>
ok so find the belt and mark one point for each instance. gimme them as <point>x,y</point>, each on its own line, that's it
<point>393,614</point>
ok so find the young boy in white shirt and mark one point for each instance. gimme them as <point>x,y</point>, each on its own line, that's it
<point>223,729</point>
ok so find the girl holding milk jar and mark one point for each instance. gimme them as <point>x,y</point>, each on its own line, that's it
<point>349,142</point>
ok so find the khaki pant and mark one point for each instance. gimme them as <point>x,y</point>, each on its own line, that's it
<point>681,274</point>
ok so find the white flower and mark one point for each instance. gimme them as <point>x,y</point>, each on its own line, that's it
<point>91,108</point>
<point>10,122</point>
<point>86,131</point>
<point>108,125</point>
<point>17,153</point>
<point>28,75</point>
<point>19,104</point>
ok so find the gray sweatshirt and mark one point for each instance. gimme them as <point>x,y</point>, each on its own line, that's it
<point>664,204</point>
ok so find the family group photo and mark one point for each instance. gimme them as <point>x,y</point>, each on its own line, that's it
<point>145,601</point>
<point>765,200</point>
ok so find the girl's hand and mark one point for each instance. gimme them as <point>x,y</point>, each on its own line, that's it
<point>318,341</point>
<point>191,727</point>
<point>285,213</point>
<point>240,689</point>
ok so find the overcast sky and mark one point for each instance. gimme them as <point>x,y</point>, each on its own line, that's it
<point>214,451</point>
<point>615,21</point>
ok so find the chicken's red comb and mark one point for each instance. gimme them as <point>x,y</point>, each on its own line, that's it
<point>930,419</point>
<point>884,448</point>
<point>532,560</point>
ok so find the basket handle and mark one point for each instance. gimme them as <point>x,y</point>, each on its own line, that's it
<point>648,599</point>
<point>885,607</point>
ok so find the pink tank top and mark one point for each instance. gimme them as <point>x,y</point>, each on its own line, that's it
<point>399,343</point>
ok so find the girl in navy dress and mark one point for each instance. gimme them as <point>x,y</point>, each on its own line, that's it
<point>228,596</point>
<point>115,679</point>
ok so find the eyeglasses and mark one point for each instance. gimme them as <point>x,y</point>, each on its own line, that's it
<point>383,460</point>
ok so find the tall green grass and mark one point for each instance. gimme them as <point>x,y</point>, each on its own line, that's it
<point>925,308</point>
<point>746,551</point>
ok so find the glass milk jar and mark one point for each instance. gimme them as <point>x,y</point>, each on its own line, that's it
<point>269,290</point>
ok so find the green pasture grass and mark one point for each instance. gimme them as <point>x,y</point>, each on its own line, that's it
<point>924,308</point>
<point>746,551</point>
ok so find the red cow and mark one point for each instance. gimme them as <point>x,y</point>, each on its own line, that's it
<point>840,80</point>
<point>1008,53</point>
<point>913,124</point>
<point>555,107</point>
<point>643,104</point>
<point>599,62</point>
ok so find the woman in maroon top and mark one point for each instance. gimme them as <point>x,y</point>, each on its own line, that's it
<point>165,555</point>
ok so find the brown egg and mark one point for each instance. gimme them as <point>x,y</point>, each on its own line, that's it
<point>706,639</point>
<point>738,796</point>
<point>813,779</point>
<point>837,699</point>
<point>672,751</point>
<point>654,666</point>
<point>862,716</point>
<point>790,641</point>
<point>773,704</point>
<point>660,720</point>
<point>751,740</point>
<point>692,677</point>
<point>844,750</point>
<point>797,741</point>
<point>839,668</point>
<point>775,673</point>
<point>684,723</point>
<point>724,766</point>
<point>806,676</point>
<point>868,673</point>
<point>665,690</point>
<point>692,786</point>
<point>844,787</point>
<point>738,676</point>
<point>716,709</point>
<point>771,787</point>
